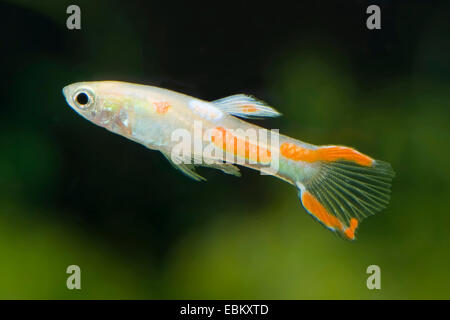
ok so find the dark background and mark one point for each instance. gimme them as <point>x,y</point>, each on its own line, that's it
<point>73,193</point>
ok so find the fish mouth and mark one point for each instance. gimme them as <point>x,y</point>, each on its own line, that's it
<point>66,94</point>
<point>65,91</point>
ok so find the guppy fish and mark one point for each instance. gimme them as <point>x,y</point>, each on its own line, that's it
<point>338,185</point>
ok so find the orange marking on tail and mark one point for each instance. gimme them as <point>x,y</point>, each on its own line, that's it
<point>319,211</point>
<point>332,153</point>
<point>350,231</point>
<point>345,153</point>
<point>162,106</point>
<point>224,139</point>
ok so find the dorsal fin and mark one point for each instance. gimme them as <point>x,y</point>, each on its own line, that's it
<point>245,106</point>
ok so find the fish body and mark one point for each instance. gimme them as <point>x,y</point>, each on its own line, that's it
<point>337,185</point>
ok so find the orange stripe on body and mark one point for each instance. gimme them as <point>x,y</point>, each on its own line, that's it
<point>332,153</point>
<point>318,210</point>
<point>228,142</point>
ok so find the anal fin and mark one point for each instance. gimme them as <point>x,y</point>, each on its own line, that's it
<point>189,168</point>
<point>227,168</point>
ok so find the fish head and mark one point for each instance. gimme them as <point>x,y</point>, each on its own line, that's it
<point>94,101</point>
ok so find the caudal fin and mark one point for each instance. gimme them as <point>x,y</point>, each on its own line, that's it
<point>347,187</point>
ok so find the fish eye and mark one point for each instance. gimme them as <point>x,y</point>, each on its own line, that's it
<point>83,99</point>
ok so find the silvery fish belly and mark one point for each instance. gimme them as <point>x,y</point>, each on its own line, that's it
<point>338,186</point>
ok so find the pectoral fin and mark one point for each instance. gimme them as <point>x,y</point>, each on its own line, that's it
<point>187,169</point>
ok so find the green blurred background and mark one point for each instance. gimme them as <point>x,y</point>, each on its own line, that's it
<point>73,193</point>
